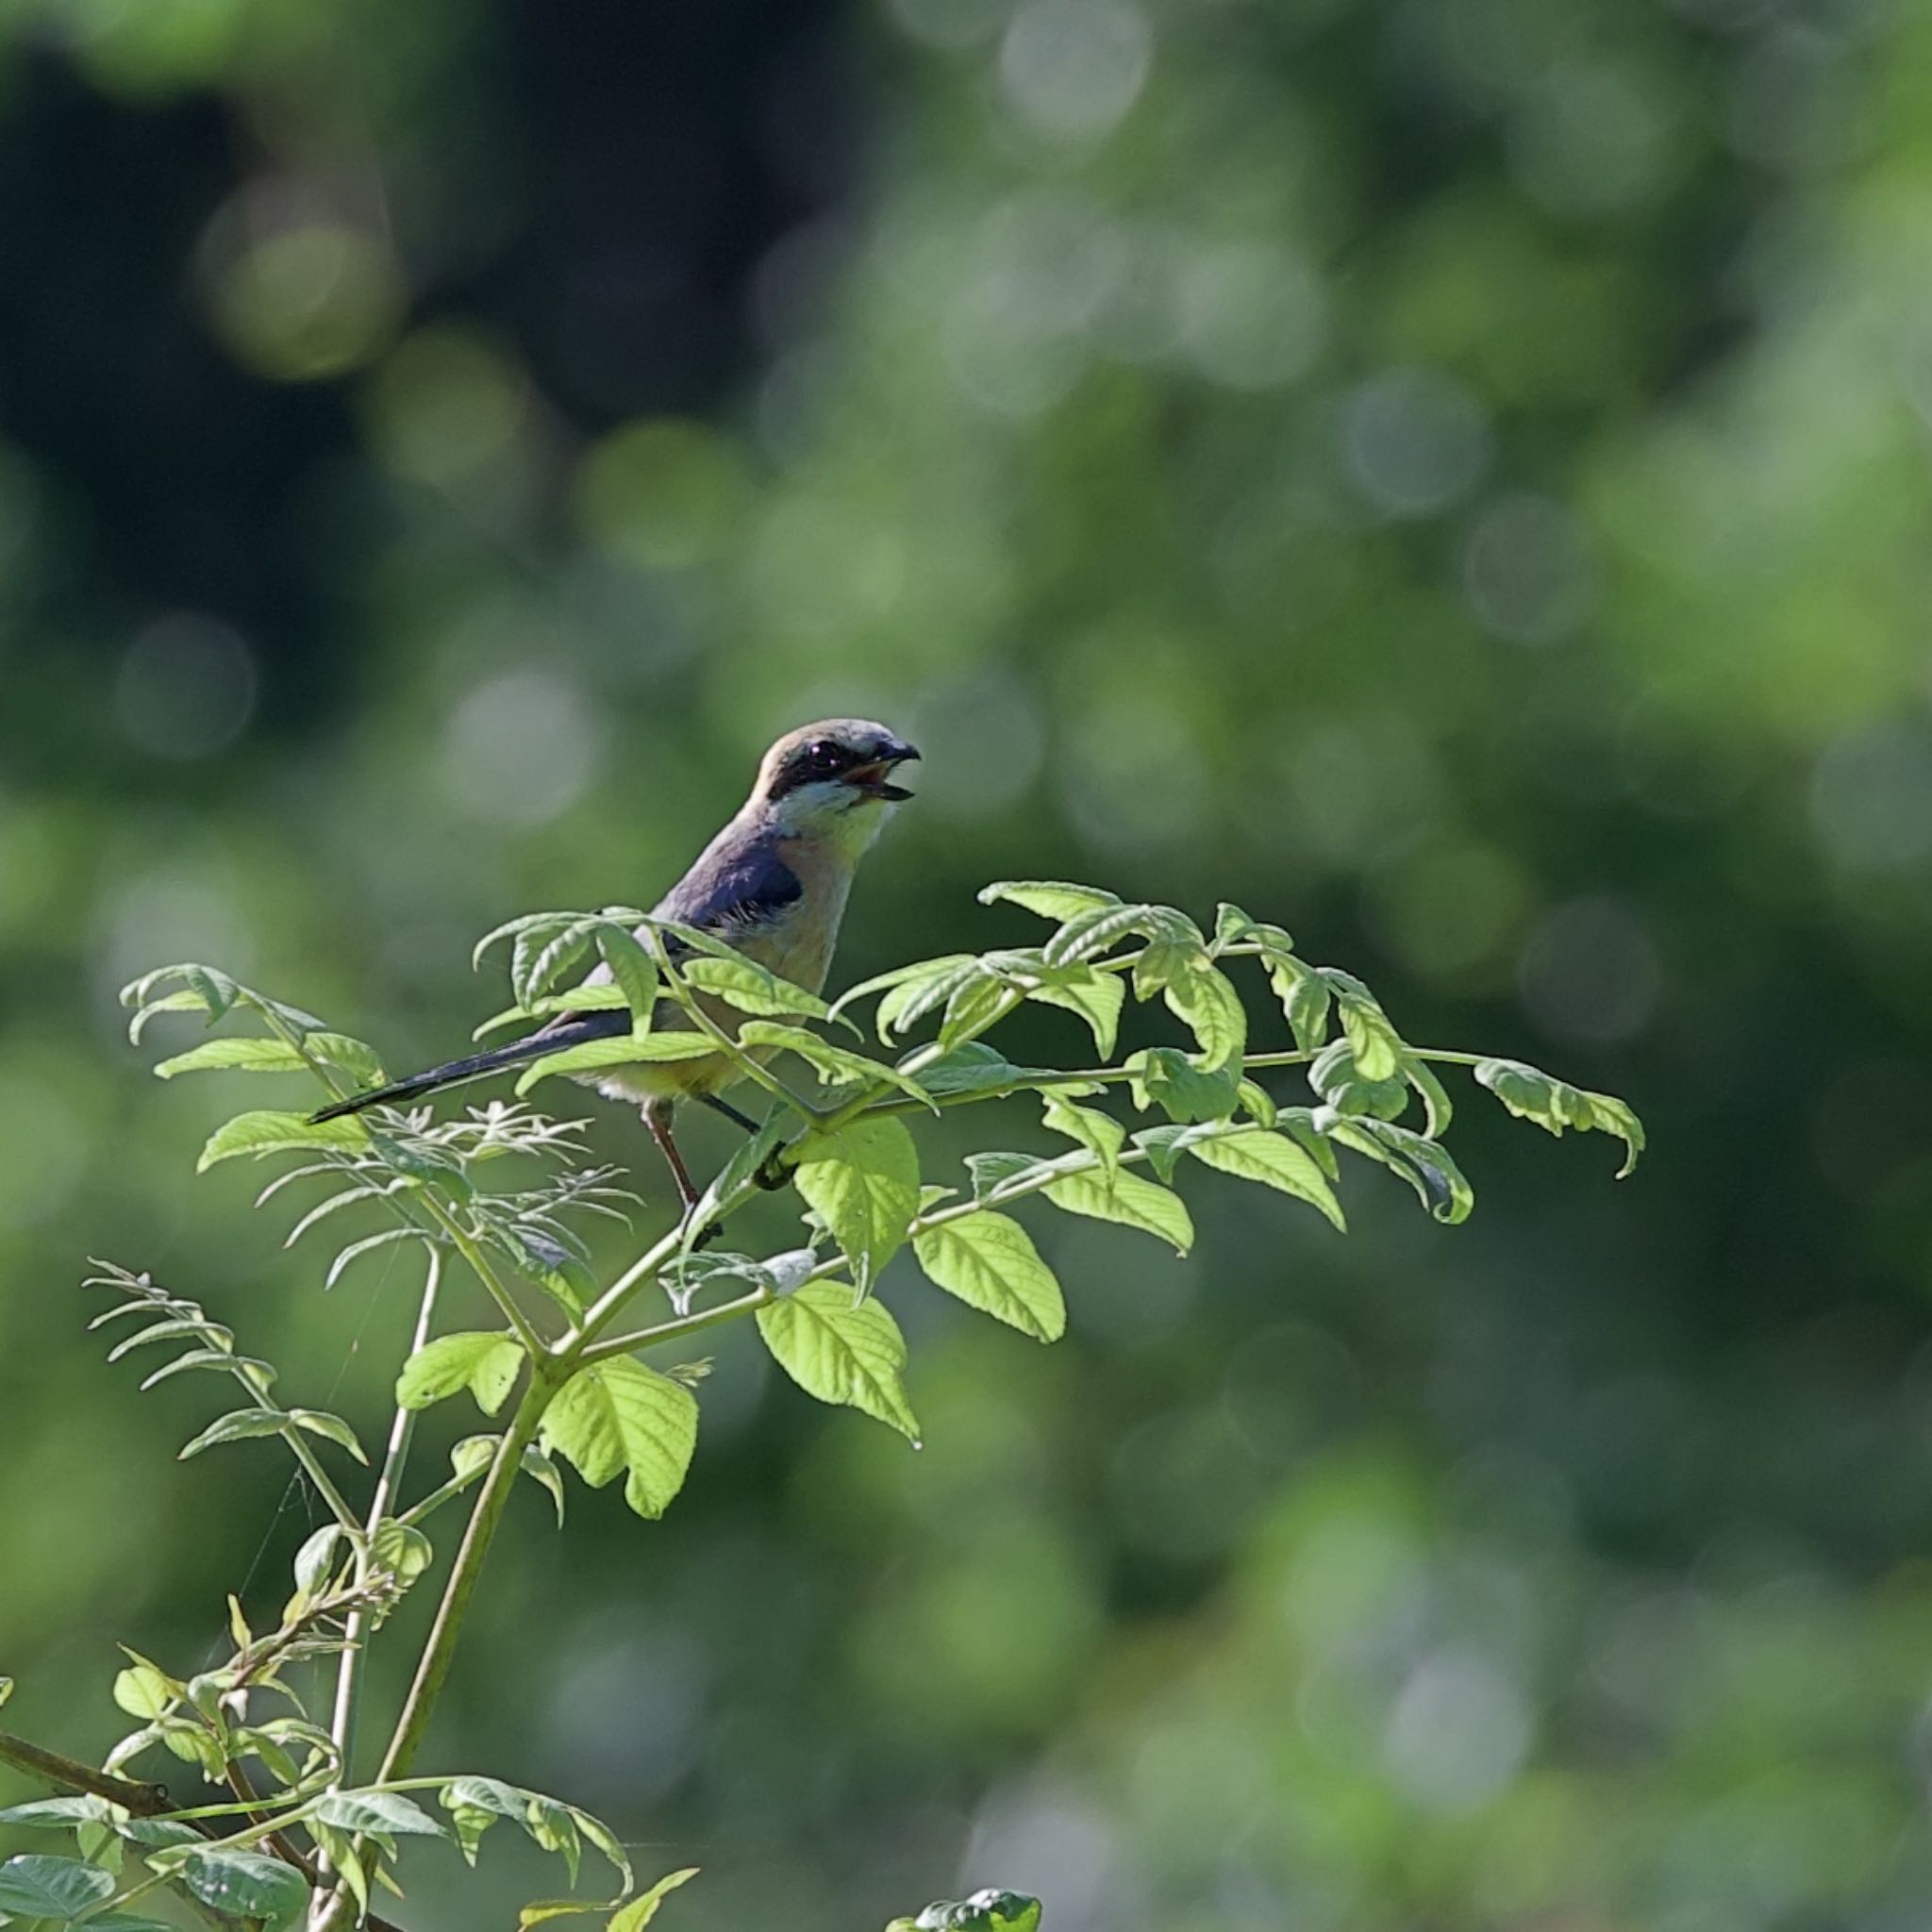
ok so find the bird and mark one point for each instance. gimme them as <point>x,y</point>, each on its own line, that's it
<point>773,885</point>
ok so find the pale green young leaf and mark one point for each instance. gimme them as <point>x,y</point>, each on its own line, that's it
<point>1257,1103</point>
<point>1304,997</point>
<point>619,1416</point>
<point>401,1549</point>
<point>1336,1076</point>
<point>863,1181</point>
<point>1372,1036</point>
<point>1437,1110</point>
<point>1096,996</point>
<point>145,1690</point>
<point>1203,997</point>
<point>281,1133</point>
<point>59,1813</point>
<point>1096,930</point>
<point>1051,898</point>
<point>382,1238</point>
<point>1533,1095</point>
<point>922,989</point>
<point>973,1067</point>
<point>638,1912</point>
<point>316,1558</point>
<point>181,1001</point>
<point>993,1170</point>
<point>1129,1199</point>
<point>482,1361</point>
<point>600,996</point>
<point>250,1056</point>
<point>622,1050</point>
<point>1254,1153</point>
<point>1100,1133</point>
<point>841,1350</point>
<point>632,969</point>
<point>989,1262</point>
<point>837,1066</point>
<point>973,1008</point>
<point>356,1057</point>
<point>744,984</point>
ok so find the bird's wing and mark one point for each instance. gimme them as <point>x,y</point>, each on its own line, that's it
<point>739,887</point>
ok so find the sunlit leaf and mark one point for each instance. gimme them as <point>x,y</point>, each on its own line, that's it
<point>240,1425</point>
<point>385,1811</point>
<point>989,1262</point>
<point>484,1362</point>
<point>281,1133</point>
<point>1554,1105</point>
<point>621,1050</point>
<point>1272,1159</point>
<point>1129,1199</point>
<point>241,1055</point>
<point>865,1182</point>
<point>248,1885</point>
<point>1050,898</point>
<point>640,1911</point>
<point>744,984</point>
<point>619,1416</point>
<point>1165,1077</point>
<point>1096,996</point>
<point>841,1350</point>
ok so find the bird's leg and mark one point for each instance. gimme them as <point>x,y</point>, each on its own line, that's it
<point>772,1172</point>
<point>658,1119</point>
<point>732,1114</point>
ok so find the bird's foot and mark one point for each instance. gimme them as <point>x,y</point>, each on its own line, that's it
<point>774,1171</point>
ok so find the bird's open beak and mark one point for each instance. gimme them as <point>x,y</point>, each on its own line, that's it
<point>872,780</point>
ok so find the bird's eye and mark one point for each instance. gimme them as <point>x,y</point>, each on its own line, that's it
<point>824,756</point>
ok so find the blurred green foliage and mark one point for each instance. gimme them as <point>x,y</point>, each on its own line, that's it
<point>1450,476</point>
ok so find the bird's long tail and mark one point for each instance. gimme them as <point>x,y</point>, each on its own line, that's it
<point>598,1025</point>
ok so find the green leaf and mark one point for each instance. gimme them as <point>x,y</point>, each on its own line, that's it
<point>1203,997</point>
<point>971,1068</point>
<point>618,1415</point>
<point>179,1002</point>
<point>1304,997</point>
<point>146,1690</point>
<point>633,969</point>
<point>991,1170</point>
<point>914,991</point>
<point>837,1066</point>
<point>331,1428</point>
<point>1335,1075</point>
<point>540,1468</point>
<point>356,1057</point>
<point>989,1262</point>
<point>484,1362</point>
<point>240,1056</point>
<point>248,1884</point>
<point>36,1886</point>
<point>842,1352</point>
<point>1254,1153</point>
<point>1096,996</point>
<point>1372,1036</point>
<point>62,1814</point>
<point>864,1183</point>
<point>639,1913</point>
<point>622,1050</point>
<point>1165,1077</point>
<point>388,1812</point>
<point>1096,930</point>
<point>1554,1105</point>
<point>401,1549</point>
<point>238,1425</point>
<point>1437,1109</point>
<point>744,984</point>
<point>1128,1199</point>
<point>281,1133</point>
<point>316,1558</point>
<point>1437,1181</point>
<point>1050,898</point>
<point>1100,1133</point>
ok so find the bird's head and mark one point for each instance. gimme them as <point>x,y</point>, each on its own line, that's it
<point>831,780</point>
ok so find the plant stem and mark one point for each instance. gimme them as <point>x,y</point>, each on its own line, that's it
<point>349,1673</point>
<point>433,1666</point>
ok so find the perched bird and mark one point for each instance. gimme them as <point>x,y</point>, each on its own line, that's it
<point>772,884</point>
